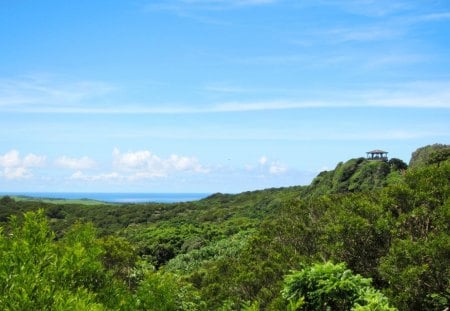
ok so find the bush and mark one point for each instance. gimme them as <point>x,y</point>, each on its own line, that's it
<point>331,287</point>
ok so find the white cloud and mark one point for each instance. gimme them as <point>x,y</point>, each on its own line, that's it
<point>138,165</point>
<point>10,159</point>
<point>268,166</point>
<point>75,163</point>
<point>15,167</point>
<point>144,164</point>
<point>277,168</point>
<point>134,160</point>
<point>16,173</point>
<point>32,160</point>
<point>182,163</point>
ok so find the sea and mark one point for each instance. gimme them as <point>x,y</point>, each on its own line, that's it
<point>115,197</point>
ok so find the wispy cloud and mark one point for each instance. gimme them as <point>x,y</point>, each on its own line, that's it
<point>395,60</point>
<point>362,34</point>
<point>47,91</point>
<point>351,58</point>
<point>200,10</point>
<point>372,8</point>
<point>382,99</point>
<point>287,59</point>
<point>227,2</point>
<point>418,94</point>
<point>228,89</point>
<point>432,17</point>
<point>389,20</point>
<point>39,96</point>
<point>180,6</point>
<point>266,105</point>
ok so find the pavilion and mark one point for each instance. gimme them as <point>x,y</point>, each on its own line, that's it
<point>377,155</point>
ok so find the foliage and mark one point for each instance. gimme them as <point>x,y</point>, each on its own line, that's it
<point>360,229</point>
<point>331,287</point>
<point>353,176</point>
<point>165,292</point>
<point>397,164</point>
<point>350,228</point>
<point>36,273</point>
<point>429,154</point>
<point>220,250</point>
<point>417,265</point>
<point>119,257</point>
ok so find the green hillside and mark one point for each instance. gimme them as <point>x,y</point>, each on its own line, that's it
<point>357,175</point>
<point>429,154</point>
<point>366,234</point>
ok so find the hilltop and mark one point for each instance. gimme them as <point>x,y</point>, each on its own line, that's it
<point>357,175</point>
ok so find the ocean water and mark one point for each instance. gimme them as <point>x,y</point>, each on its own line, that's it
<point>116,197</point>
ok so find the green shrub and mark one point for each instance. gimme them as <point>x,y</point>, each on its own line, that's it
<point>331,287</point>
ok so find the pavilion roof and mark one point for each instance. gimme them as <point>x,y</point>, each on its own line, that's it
<point>377,151</point>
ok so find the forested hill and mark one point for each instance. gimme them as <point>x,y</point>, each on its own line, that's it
<point>357,175</point>
<point>365,235</point>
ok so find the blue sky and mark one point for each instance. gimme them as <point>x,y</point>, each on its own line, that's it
<point>214,95</point>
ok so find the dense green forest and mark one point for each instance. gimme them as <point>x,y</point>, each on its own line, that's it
<point>368,235</point>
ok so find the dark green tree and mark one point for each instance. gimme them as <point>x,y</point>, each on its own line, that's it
<point>397,164</point>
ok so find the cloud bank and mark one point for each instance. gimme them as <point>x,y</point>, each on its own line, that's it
<point>13,166</point>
